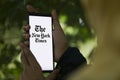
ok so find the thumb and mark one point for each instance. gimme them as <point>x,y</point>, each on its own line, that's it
<point>55,19</point>
<point>57,27</point>
<point>53,75</point>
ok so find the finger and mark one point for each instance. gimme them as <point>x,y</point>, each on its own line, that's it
<point>26,43</point>
<point>55,19</point>
<point>26,35</point>
<point>53,75</point>
<point>31,59</point>
<point>31,9</point>
<point>58,30</point>
<point>26,28</point>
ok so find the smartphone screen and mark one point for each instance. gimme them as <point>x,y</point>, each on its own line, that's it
<point>41,40</point>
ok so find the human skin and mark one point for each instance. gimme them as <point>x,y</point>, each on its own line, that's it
<point>31,69</point>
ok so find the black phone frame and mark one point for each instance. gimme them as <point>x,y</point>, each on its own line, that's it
<point>49,15</point>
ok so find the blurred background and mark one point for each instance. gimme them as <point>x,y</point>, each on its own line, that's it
<point>13,16</point>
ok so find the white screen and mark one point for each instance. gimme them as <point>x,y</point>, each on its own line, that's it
<point>41,40</point>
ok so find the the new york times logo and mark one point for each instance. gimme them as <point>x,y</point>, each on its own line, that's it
<point>40,35</point>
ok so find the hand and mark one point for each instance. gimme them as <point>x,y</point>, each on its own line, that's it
<point>60,41</point>
<point>32,70</point>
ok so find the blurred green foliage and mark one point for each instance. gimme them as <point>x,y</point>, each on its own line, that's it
<point>13,15</point>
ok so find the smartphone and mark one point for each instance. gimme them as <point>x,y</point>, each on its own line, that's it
<point>41,40</point>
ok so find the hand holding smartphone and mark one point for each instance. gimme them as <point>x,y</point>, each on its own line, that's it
<point>41,40</point>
